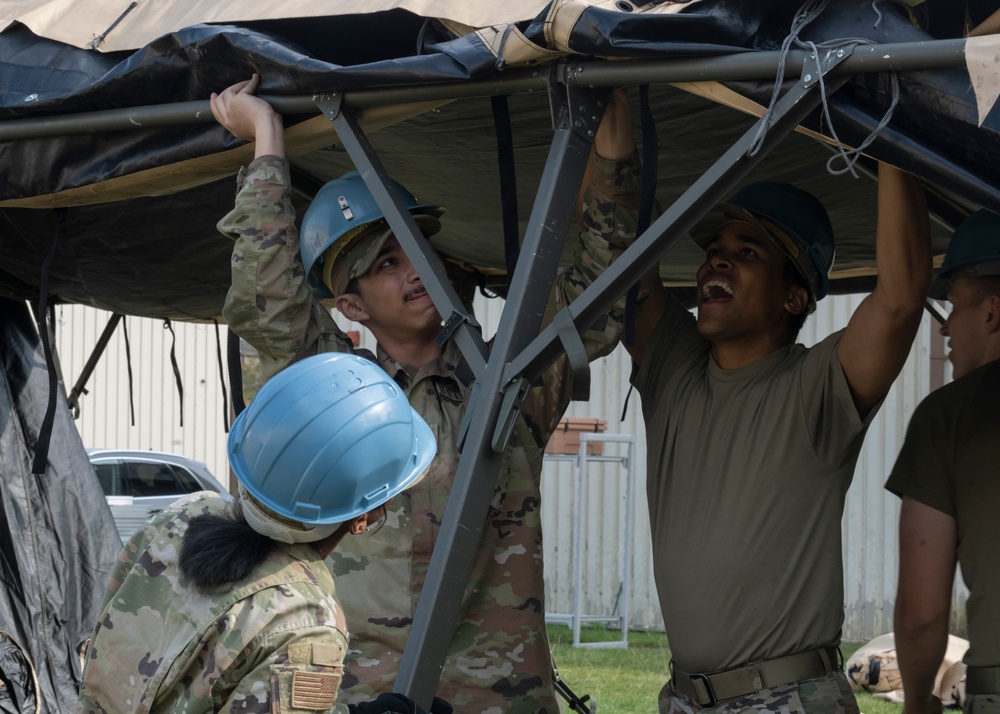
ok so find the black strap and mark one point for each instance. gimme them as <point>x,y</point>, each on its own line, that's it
<point>647,198</point>
<point>235,372</point>
<point>576,353</point>
<point>128,366</point>
<point>173,364</point>
<point>222,377</point>
<point>41,460</point>
<point>508,183</point>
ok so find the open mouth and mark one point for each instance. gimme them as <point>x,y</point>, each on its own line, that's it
<point>715,291</point>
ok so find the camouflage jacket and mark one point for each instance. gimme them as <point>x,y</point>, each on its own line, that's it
<point>499,658</point>
<point>274,642</point>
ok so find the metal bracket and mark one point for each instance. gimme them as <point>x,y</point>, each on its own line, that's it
<point>576,107</point>
<point>449,326</point>
<point>510,409</point>
<point>830,59</point>
<point>329,103</point>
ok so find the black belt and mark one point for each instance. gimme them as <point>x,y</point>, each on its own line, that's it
<point>708,689</point>
<point>982,680</point>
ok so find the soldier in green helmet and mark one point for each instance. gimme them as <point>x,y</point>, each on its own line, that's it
<point>948,476</point>
<point>753,440</point>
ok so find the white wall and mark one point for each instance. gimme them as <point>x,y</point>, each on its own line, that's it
<point>870,519</point>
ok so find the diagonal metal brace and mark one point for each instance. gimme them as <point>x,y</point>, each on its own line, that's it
<point>676,221</point>
<point>416,246</point>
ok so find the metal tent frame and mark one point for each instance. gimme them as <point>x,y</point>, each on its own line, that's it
<point>521,351</point>
<point>577,93</point>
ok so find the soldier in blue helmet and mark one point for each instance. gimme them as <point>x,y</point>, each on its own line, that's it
<point>752,441</point>
<point>948,476</point>
<point>499,658</point>
<point>229,606</point>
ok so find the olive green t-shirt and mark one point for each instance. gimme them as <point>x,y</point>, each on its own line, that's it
<point>746,477</point>
<point>950,461</point>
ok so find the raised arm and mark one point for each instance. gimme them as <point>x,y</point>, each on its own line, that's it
<point>878,337</point>
<point>269,303</point>
<point>927,553</point>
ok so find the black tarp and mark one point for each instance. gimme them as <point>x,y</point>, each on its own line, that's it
<point>159,255</point>
<point>57,542</point>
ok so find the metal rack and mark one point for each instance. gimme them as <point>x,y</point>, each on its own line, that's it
<point>576,618</point>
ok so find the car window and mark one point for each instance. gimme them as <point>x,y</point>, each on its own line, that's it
<point>147,479</point>
<point>187,481</point>
<point>109,475</point>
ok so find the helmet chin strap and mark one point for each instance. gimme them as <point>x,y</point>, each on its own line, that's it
<point>267,525</point>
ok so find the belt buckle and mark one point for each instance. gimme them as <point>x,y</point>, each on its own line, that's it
<point>708,688</point>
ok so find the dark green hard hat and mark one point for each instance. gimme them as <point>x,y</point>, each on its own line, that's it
<point>793,219</point>
<point>974,250</point>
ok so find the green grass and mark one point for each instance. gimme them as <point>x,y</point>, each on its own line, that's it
<point>623,681</point>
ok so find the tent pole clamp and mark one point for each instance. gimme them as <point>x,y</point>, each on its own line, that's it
<point>329,103</point>
<point>582,107</point>
<point>510,410</point>
<point>449,326</point>
<point>822,65</point>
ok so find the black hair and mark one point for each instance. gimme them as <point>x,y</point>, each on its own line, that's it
<point>221,548</point>
<point>353,287</point>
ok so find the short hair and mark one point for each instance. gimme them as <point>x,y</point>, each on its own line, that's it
<point>983,286</point>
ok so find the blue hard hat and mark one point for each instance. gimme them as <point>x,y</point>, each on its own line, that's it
<point>327,439</point>
<point>793,219</point>
<point>974,247</point>
<point>341,208</point>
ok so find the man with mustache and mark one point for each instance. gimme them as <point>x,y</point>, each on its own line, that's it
<point>499,657</point>
<point>948,475</point>
<point>753,439</point>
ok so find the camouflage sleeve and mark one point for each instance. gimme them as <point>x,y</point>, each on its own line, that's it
<point>270,304</point>
<point>302,678</point>
<point>610,218</point>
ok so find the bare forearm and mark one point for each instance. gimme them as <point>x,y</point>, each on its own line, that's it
<point>920,648</point>
<point>903,243</point>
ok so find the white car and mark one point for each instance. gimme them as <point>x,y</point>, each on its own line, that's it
<point>139,483</point>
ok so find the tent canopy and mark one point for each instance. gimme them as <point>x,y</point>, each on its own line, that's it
<point>132,211</point>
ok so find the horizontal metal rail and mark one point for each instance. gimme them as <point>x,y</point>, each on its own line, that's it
<point>900,56</point>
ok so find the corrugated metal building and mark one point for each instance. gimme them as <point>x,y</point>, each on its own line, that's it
<point>870,519</point>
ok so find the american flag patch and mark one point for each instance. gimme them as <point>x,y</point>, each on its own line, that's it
<point>314,690</point>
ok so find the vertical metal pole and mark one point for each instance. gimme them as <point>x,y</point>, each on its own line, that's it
<point>440,602</point>
<point>629,520</point>
<point>581,510</point>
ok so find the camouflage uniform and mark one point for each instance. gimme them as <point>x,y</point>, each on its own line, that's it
<point>499,658</point>
<point>161,646</point>
<point>825,695</point>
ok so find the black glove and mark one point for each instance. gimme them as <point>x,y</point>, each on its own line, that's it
<point>440,706</point>
<point>393,703</point>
